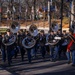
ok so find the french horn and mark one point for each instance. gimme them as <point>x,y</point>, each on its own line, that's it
<point>33,31</point>
<point>9,40</point>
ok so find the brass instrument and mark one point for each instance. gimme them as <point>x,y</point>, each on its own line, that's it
<point>7,42</point>
<point>54,41</point>
<point>29,44</point>
<point>55,27</point>
<point>14,27</point>
<point>33,32</point>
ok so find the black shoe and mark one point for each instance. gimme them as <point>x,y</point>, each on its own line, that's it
<point>30,62</point>
<point>73,65</point>
<point>51,59</point>
<point>54,60</point>
<point>69,62</point>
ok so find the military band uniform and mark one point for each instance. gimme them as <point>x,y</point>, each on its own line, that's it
<point>42,41</point>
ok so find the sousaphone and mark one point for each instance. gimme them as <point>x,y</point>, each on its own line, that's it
<point>54,27</point>
<point>33,33</point>
<point>14,28</point>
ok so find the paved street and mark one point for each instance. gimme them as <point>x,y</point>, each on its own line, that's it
<point>37,67</point>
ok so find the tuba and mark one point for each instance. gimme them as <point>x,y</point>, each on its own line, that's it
<point>54,27</point>
<point>9,40</point>
<point>14,27</point>
<point>53,42</point>
<point>33,33</point>
<point>33,30</point>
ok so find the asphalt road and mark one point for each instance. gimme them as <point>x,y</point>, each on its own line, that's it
<point>37,67</point>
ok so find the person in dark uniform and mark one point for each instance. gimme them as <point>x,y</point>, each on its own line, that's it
<point>42,41</point>
<point>9,48</point>
<point>50,39</point>
<point>35,48</point>
<point>47,45</point>
<point>64,43</point>
<point>56,46</point>
<point>20,38</point>
<point>3,50</point>
<point>60,43</point>
<point>0,41</point>
<point>28,39</point>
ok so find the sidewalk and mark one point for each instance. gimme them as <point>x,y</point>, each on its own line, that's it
<point>4,72</point>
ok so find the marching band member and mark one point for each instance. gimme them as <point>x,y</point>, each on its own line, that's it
<point>60,43</point>
<point>35,48</point>
<point>42,41</point>
<point>0,41</point>
<point>9,49</point>
<point>50,38</point>
<point>20,38</point>
<point>47,46</point>
<point>29,50</point>
<point>3,50</point>
<point>53,48</point>
<point>64,43</point>
<point>56,47</point>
